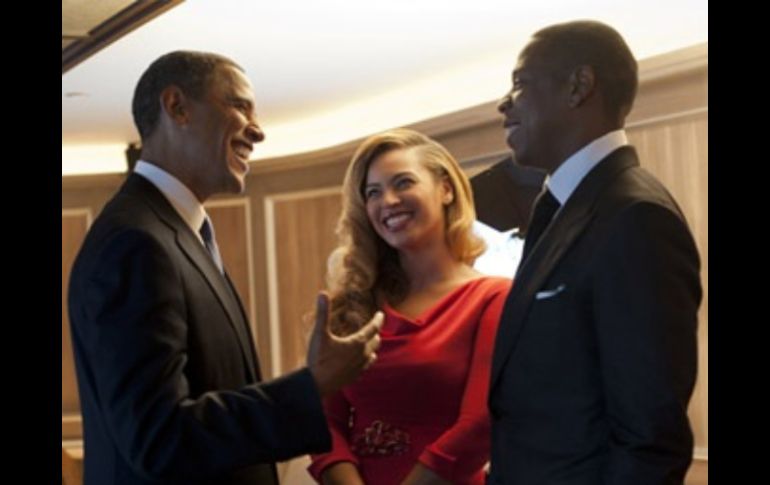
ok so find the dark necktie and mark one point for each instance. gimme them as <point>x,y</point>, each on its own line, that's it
<point>545,207</point>
<point>207,233</point>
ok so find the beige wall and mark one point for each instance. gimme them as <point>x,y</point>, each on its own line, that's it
<point>669,127</point>
<point>275,238</point>
<point>74,224</point>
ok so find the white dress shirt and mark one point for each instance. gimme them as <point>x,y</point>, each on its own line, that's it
<point>179,196</point>
<point>503,250</point>
<point>568,176</point>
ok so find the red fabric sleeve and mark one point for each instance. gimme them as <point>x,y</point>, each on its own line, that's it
<point>461,451</point>
<point>337,410</point>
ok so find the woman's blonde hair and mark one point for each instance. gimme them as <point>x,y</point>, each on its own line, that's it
<point>364,267</point>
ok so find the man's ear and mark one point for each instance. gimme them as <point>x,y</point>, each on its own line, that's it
<point>582,83</point>
<point>175,104</point>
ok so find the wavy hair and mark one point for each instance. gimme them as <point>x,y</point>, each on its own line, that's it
<point>364,268</point>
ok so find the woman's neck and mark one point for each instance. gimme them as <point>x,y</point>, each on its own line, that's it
<point>432,268</point>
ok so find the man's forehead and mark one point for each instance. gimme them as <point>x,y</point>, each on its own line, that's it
<point>235,79</point>
<point>529,53</point>
<point>232,72</point>
<point>522,67</point>
<point>534,58</point>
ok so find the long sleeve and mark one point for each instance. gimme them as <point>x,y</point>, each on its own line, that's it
<point>337,410</point>
<point>462,450</point>
<point>646,296</point>
<point>129,311</point>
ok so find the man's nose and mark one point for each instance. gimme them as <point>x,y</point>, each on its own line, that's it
<point>504,104</point>
<point>255,133</point>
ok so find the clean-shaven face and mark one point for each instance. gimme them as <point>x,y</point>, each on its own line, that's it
<point>225,131</point>
<point>404,201</point>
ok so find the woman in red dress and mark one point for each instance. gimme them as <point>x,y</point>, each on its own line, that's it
<point>419,414</point>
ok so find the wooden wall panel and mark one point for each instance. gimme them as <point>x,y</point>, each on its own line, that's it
<point>676,151</point>
<point>482,139</point>
<point>698,474</point>
<point>302,233</point>
<point>671,95</point>
<point>74,224</point>
<point>232,223</point>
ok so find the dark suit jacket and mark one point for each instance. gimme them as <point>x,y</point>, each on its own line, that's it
<point>591,379</point>
<point>168,378</point>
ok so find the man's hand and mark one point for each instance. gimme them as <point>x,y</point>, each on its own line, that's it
<point>336,361</point>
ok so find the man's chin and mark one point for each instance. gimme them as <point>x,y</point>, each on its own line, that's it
<point>509,142</point>
<point>239,186</point>
<point>236,184</point>
<point>238,178</point>
<point>518,157</point>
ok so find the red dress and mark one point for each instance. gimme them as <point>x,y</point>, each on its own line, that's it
<point>425,399</point>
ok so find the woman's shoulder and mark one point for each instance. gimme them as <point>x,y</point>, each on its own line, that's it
<point>488,286</point>
<point>493,282</point>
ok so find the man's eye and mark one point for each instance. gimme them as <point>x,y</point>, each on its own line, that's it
<point>243,107</point>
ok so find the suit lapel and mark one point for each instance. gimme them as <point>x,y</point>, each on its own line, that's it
<point>529,279</point>
<point>548,252</point>
<point>200,258</point>
<point>220,286</point>
<point>245,319</point>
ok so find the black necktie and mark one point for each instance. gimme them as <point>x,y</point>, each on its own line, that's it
<point>545,207</point>
<point>207,233</point>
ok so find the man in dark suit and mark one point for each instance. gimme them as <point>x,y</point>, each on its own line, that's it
<point>595,357</point>
<point>169,380</point>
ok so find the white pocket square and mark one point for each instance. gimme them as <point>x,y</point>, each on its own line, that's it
<point>542,295</point>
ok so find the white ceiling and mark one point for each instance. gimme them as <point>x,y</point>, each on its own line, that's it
<point>326,72</point>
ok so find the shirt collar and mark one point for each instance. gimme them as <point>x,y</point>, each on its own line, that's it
<point>178,194</point>
<point>568,176</point>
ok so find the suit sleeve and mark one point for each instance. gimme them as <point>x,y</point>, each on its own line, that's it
<point>337,410</point>
<point>131,317</point>
<point>646,297</point>
<point>462,450</point>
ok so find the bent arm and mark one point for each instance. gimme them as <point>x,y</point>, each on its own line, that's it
<point>129,316</point>
<point>646,297</point>
<point>463,449</point>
